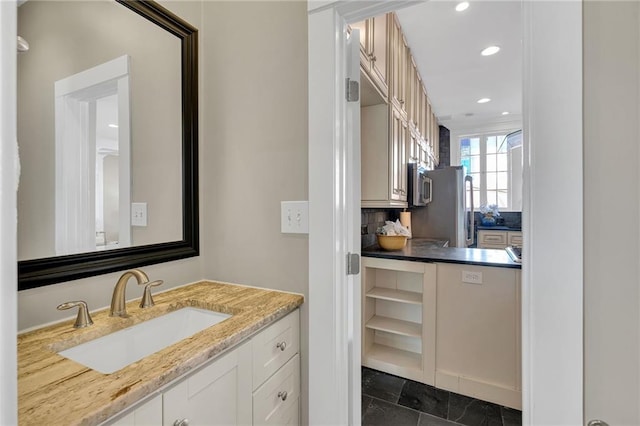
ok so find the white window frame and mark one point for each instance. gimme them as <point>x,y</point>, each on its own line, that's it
<point>483,167</point>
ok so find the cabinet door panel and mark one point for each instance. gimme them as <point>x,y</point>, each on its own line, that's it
<point>148,414</point>
<point>379,49</point>
<point>398,157</point>
<point>218,394</point>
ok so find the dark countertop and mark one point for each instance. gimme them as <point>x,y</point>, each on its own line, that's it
<point>498,228</point>
<point>418,251</point>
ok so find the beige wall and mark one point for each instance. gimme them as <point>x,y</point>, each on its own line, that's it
<point>254,146</point>
<point>611,211</point>
<point>66,38</point>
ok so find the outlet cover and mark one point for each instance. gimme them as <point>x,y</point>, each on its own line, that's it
<point>472,277</point>
<point>294,217</point>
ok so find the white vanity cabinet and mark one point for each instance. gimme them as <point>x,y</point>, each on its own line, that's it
<point>256,383</point>
<point>219,394</point>
<point>147,413</point>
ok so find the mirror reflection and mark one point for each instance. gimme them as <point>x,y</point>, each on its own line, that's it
<point>99,130</point>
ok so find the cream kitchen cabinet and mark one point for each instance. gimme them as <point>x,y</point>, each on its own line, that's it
<point>374,36</point>
<point>478,333</point>
<point>498,239</point>
<point>399,53</point>
<point>256,383</point>
<point>398,317</point>
<point>384,158</point>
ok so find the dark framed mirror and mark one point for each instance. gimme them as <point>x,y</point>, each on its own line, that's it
<point>46,270</point>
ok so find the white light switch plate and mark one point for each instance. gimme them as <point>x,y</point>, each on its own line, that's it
<point>472,277</point>
<point>138,214</point>
<point>294,217</point>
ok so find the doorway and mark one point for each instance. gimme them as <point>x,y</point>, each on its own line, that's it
<point>552,115</point>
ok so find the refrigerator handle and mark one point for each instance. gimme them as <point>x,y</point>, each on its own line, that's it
<point>469,224</point>
<point>427,190</point>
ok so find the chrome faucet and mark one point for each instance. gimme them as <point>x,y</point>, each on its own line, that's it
<point>118,303</point>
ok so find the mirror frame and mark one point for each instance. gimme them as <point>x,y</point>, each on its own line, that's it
<point>41,272</point>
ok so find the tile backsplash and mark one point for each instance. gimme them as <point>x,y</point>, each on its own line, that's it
<point>371,220</point>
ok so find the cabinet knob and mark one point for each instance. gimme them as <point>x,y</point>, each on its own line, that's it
<point>282,395</point>
<point>182,422</point>
<point>282,346</point>
<point>373,58</point>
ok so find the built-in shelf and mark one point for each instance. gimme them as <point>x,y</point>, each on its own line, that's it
<point>393,360</point>
<point>395,326</point>
<point>395,295</point>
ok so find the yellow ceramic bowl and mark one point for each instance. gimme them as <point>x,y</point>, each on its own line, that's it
<point>392,242</point>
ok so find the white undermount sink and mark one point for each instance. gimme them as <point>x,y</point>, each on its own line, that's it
<point>114,351</point>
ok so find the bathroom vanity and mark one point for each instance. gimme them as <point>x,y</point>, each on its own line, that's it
<point>243,370</point>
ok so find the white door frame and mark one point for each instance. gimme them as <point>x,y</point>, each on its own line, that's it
<point>8,215</point>
<point>552,280</point>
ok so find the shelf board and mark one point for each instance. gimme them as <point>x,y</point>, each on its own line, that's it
<point>395,326</point>
<point>395,295</point>
<point>394,361</point>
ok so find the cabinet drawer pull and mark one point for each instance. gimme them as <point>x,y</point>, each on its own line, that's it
<point>282,346</point>
<point>282,395</point>
<point>183,422</point>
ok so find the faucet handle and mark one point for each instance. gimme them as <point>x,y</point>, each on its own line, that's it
<point>147,299</point>
<point>83,319</point>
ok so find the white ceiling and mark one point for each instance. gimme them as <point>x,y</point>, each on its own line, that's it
<point>446,46</point>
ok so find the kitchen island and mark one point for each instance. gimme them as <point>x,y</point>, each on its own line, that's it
<point>447,317</point>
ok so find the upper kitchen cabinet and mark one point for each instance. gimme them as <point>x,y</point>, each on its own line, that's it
<point>384,157</point>
<point>374,48</point>
<point>399,59</point>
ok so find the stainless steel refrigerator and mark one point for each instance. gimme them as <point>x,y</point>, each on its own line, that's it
<point>446,217</point>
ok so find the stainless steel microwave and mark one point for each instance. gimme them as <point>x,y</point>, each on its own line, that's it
<point>420,187</point>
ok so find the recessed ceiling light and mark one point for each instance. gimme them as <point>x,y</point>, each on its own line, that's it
<point>484,100</point>
<point>491,50</point>
<point>113,126</point>
<point>505,113</point>
<point>462,6</point>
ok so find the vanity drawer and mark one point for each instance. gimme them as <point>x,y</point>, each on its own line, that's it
<point>276,402</point>
<point>274,346</point>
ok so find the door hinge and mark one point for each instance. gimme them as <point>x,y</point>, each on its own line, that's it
<point>353,90</point>
<point>353,263</point>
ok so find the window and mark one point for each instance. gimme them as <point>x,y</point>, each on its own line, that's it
<point>491,160</point>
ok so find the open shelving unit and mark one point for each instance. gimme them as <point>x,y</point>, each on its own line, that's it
<point>398,318</point>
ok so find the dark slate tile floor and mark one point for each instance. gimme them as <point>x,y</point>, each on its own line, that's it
<point>388,400</point>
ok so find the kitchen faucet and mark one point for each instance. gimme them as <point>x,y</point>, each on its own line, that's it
<point>118,303</point>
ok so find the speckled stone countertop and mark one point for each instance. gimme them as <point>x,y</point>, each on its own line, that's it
<point>418,252</point>
<point>53,390</point>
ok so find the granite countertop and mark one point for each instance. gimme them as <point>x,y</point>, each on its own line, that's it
<point>55,390</point>
<point>416,251</point>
